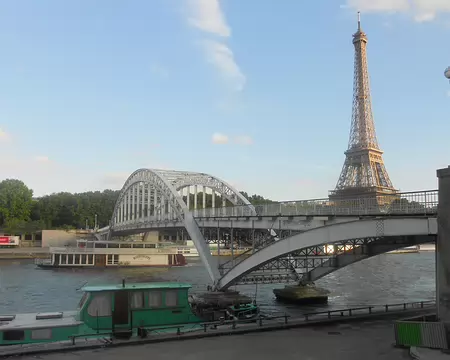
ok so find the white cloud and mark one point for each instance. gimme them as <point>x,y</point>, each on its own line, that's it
<point>218,138</point>
<point>424,17</point>
<point>207,16</point>
<point>243,140</point>
<point>420,10</point>
<point>221,56</point>
<point>379,5</point>
<point>42,159</point>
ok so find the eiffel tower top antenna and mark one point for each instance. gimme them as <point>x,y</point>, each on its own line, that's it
<point>359,20</point>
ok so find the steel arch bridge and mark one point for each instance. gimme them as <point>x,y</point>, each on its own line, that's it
<point>353,241</point>
<point>154,195</point>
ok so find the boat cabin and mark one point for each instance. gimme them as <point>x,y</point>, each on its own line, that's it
<point>113,307</point>
<point>117,309</point>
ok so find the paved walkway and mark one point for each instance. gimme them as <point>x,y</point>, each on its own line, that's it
<point>369,340</point>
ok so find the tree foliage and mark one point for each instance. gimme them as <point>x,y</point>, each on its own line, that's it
<point>256,199</point>
<point>20,213</point>
<point>406,206</point>
<point>15,201</point>
<point>66,210</point>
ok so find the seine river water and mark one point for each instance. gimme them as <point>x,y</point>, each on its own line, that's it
<point>389,278</point>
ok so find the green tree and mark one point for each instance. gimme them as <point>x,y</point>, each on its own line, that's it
<point>15,226</point>
<point>19,213</point>
<point>16,201</point>
<point>406,206</point>
<point>256,199</point>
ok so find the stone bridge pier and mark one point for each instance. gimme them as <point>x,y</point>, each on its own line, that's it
<point>443,250</point>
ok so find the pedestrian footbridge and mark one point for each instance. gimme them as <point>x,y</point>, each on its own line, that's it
<point>289,241</point>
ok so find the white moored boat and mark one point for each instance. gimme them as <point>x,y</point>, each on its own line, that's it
<point>90,253</point>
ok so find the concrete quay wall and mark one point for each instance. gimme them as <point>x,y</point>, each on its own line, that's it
<point>368,340</point>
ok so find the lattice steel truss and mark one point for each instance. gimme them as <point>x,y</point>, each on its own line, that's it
<point>363,171</point>
<point>312,263</point>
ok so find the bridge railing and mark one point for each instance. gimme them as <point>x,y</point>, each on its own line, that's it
<point>408,203</point>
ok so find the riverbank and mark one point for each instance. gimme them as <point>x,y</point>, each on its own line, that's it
<point>365,340</point>
<point>24,253</point>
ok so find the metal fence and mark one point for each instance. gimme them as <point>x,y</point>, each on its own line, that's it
<point>408,203</point>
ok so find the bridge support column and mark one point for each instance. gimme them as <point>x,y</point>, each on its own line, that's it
<point>443,250</point>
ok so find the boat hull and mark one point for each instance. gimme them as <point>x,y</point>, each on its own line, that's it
<point>303,301</point>
<point>302,294</point>
<point>49,266</point>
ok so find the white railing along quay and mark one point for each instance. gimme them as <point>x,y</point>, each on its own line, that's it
<point>407,203</point>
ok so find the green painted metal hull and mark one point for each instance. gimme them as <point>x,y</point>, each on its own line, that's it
<point>123,311</point>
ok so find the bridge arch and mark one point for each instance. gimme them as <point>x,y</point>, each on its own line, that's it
<point>214,183</point>
<point>358,229</point>
<point>372,248</point>
<point>151,193</point>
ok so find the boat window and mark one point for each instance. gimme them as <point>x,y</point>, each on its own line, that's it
<point>137,299</point>
<point>154,299</point>
<point>172,298</point>
<point>70,259</point>
<point>83,300</point>
<point>41,334</point>
<point>90,259</point>
<point>100,305</point>
<point>13,335</point>
<point>63,259</point>
<point>77,259</point>
<point>83,259</point>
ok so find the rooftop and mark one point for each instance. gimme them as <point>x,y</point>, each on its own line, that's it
<point>137,286</point>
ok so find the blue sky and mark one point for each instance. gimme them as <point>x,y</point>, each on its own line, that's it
<point>258,93</point>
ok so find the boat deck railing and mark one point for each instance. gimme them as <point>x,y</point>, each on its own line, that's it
<point>131,251</point>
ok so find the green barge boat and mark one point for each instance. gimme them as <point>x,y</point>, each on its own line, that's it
<point>121,311</point>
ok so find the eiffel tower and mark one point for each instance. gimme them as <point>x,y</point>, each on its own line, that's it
<point>363,173</point>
